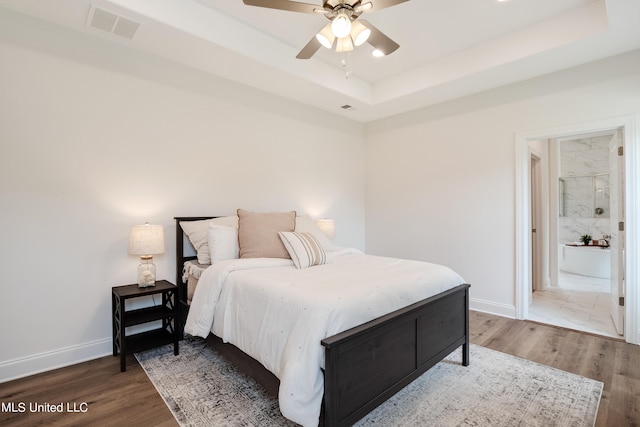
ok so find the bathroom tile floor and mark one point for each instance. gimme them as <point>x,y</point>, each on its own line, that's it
<point>579,302</point>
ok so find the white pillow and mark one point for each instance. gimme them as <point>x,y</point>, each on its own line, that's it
<point>304,224</point>
<point>198,234</point>
<point>223,242</point>
<point>305,250</point>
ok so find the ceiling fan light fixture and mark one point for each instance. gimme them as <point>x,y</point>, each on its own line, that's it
<point>326,37</point>
<point>378,53</point>
<point>359,33</point>
<point>344,31</point>
<point>341,25</point>
<point>344,44</point>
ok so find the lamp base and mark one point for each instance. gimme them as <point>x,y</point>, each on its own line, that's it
<point>146,272</point>
<point>146,285</point>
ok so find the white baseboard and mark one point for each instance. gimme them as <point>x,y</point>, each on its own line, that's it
<point>491,307</point>
<point>34,364</point>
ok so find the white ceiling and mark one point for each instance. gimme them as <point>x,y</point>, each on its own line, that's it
<point>448,48</point>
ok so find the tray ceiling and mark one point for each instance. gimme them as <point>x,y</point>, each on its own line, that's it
<point>448,49</point>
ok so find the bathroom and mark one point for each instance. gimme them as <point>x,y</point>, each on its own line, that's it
<point>584,225</point>
<point>579,295</point>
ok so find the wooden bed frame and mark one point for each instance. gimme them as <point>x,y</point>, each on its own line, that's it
<point>365,365</point>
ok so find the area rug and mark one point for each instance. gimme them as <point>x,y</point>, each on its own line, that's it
<point>203,389</point>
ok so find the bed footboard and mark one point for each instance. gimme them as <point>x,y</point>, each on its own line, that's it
<point>368,364</point>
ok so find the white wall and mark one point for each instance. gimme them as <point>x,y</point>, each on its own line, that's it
<point>95,138</point>
<point>441,181</point>
<point>78,114</point>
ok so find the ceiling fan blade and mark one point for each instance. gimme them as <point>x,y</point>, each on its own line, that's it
<point>310,49</point>
<point>292,6</point>
<point>381,4</point>
<point>379,40</point>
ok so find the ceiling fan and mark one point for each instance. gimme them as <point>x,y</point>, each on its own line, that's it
<point>345,29</point>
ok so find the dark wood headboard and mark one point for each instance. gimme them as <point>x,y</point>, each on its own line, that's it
<point>183,306</point>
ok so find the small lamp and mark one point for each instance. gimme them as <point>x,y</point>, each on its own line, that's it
<point>359,33</point>
<point>344,44</point>
<point>146,240</point>
<point>326,37</point>
<point>328,227</point>
<point>341,25</point>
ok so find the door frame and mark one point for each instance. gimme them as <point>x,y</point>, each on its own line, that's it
<point>629,129</point>
<point>534,164</point>
<point>616,165</point>
<point>537,272</point>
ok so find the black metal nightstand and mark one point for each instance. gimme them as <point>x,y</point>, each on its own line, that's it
<point>122,318</point>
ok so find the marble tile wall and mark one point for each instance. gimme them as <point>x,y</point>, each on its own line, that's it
<point>588,156</point>
<point>584,194</point>
<point>570,229</point>
<point>582,163</point>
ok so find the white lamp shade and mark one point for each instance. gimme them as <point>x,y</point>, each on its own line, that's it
<point>341,25</point>
<point>328,227</point>
<point>359,33</point>
<point>344,44</point>
<point>326,37</point>
<point>146,239</point>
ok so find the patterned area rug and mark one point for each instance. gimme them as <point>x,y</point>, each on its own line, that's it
<point>497,389</point>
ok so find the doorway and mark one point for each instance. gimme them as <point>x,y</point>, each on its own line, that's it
<point>578,292</point>
<point>524,260</point>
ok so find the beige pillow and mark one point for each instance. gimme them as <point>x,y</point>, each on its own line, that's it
<point>258,233</point>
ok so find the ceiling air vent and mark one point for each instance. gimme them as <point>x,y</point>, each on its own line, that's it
<point>112,23</point>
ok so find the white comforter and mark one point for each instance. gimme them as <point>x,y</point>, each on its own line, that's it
<point>278,314</point>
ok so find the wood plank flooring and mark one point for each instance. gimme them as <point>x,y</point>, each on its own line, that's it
<point>129,398</point>
<point>112,398</point>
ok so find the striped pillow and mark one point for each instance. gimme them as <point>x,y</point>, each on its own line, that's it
<point>304,248</point>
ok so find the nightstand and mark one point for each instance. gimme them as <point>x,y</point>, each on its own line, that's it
<point>167,312</point>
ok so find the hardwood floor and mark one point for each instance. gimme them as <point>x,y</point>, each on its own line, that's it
<point>129,398</point>
<point>112,398</point>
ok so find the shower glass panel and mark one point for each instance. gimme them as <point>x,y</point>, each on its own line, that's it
<point>584,196</point>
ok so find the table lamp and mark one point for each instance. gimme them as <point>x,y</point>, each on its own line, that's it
<point>146,240</point>
<point>328,227</point>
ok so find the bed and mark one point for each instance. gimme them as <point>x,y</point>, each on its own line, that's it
<point>361,366</point>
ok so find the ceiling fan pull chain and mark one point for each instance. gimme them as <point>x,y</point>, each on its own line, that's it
<point>345,65</point>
